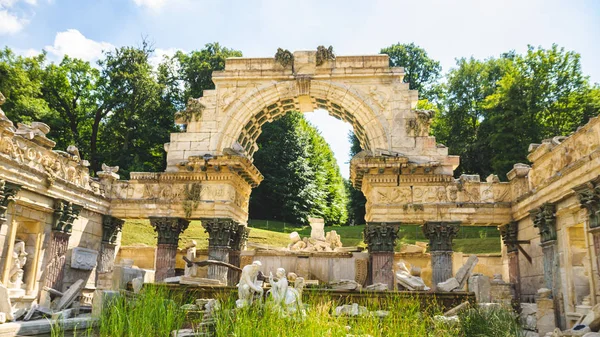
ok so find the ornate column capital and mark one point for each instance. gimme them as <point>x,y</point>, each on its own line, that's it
<point>65,213</point>
<point>111,227</point>
<point>509,233</point>
<point>8,192</point>
<point>544,218</point>
<point>589,198</point>
<point>240,237</point>
<point>381,236</point>
<point>221,232</point>
<point>168,229</point>
<point>440,234</point>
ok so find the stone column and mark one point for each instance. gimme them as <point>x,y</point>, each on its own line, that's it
<point>238,243</point>
<point>168,230</point>
<point>381,240</point>
<point>509,233</point>
<point>589,198</point>
<point>440,235</point>
<point>8,192</point>
<point>65,213</point>
<point>111,227</point>
<point>221,236</point>
<point>544,218</point>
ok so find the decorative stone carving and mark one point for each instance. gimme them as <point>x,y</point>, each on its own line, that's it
<point>8,192</point>
<point>317,228</point>
<point>544,218</point>
<point>168,229</point>
<point>286,299</point>
<point>221,232</point>
<point>19,258</point>
<point>108,173</point>
<point>65,213</point>
<point>240,237</point>
<point>296,243</point>
<point>440,234</point>
<point>509,234</point>
<point>83,258</point>
<point>589,198</point>
<point>111,227</point>
<point>381,237</point>
<point>361,267</point>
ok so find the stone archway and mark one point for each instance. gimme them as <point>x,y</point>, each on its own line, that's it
<point>405,175</point>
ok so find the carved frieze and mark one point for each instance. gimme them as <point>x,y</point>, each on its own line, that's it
<point>589,198</point>
<point>544,219</point>
<point>381,237</point>
<point>50,163</point>
<point>65,213</point>
<point>509,233</point>
<point>221,232</point>
<point>440,234</point>
<point>168,229</point>
<point>83,258</point>
<point>8,192</point>
<point>111,227</point>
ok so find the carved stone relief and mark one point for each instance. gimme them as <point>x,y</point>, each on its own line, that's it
<point>83,258</point>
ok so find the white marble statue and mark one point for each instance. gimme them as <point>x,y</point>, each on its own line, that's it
<point>249,286</point>
<point>286,299</point>
<point>15,279</point>
<point>190,254</point>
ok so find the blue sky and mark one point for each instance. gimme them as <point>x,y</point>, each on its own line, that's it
<point>446,29</point>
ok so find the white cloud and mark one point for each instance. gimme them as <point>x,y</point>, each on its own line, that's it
<point>152,4</point>
<point>159,55</point>
<point>10,23</point>
<point>26,52</point>
<point>76,45</point>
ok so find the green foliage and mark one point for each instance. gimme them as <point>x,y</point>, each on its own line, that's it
<point>302,178</point>
<point>284,57</point>
<point>196,67</point>
<point>422,72</point>
<point>356,199</point>
<point>493,109</point>
<point>490,322</point>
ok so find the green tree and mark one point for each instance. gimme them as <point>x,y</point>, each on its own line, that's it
<point>422,72</point>
<point>21,85</point>
<point>541,95</point>
<point>69,89</point>
<point>196,67</point>
<point>302,178</point>
<point>134,133</point>
<point>356,199</point>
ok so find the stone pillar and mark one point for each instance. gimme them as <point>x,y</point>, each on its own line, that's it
<point>65,213</point>
<point>221,236</point>
<point>238,243</point>
<point>168,230</point>
<point>111,227</point>
<point>440,235</point>
<point>589,198</point>
<point>381,240</point>
<point>544,218</point>
<point>509,233</point>
<point>8,192</point>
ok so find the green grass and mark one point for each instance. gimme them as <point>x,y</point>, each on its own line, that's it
<point>470,240</point>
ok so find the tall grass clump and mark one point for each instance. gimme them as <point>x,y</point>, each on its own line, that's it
<point>407,317</point>
<point>153,312</point>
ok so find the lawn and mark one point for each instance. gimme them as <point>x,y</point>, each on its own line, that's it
<point>470,240</point>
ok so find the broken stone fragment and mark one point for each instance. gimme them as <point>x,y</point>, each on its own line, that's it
<point>448,285</point>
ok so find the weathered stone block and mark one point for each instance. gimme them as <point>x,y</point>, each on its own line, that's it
<point>83,258</point>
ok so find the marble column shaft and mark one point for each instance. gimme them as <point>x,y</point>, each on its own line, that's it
<point>168,230</point>
<point>381,241</point>
<point>440,235</point>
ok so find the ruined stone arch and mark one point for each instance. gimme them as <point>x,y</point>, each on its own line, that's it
<point>245,118</point>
